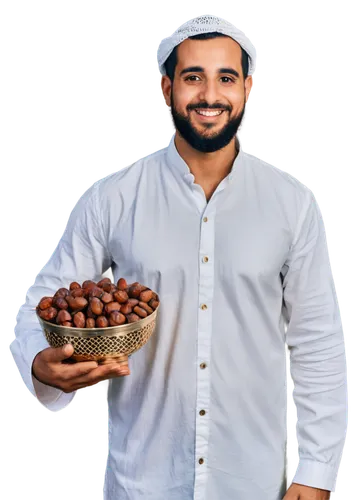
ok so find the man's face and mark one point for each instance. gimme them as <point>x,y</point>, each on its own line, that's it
<point>208,89</point>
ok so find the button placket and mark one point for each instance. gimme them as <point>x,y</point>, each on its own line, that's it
<point>205,301</point>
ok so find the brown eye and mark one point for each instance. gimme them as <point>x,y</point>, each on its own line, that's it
<point>231,80</point>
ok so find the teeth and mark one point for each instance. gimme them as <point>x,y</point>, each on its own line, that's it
<point>208,113</point>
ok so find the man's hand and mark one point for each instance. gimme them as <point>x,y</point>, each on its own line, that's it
<point>48,368</point>
<point>300,492</point>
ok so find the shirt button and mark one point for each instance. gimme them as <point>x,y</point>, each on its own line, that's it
<point>205,259</point>
<point>201,461</point>
<point>202,412</point>
<point>202,366</point>
<point>205,219</point>
<point>203,307</point>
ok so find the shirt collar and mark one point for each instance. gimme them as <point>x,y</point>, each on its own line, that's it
<point>176,161</point>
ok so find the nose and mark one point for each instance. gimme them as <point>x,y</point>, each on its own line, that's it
<point>209,92</point>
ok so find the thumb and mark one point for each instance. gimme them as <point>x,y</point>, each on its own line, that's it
<point>63,352</point>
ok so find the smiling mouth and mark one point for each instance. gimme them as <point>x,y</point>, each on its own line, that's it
<point>203,112</point>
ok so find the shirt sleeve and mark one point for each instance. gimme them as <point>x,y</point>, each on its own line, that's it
<point>317,353</point>
<point>81,254</point>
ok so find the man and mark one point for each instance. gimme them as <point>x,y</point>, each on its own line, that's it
<point>236,249</point>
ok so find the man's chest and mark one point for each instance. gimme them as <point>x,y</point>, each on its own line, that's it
<point>242,239</point>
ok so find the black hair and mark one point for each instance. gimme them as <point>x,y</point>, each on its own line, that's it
<point>172,60</point>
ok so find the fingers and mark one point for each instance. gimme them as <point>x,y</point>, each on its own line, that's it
<point>78,369</point>
<point>102,372</point>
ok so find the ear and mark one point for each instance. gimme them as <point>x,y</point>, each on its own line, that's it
<point>248,86</point>
<point>166,88</point>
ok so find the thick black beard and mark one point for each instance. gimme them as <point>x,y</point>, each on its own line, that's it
<point>200,143</point>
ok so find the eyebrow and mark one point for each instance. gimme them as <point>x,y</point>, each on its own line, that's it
<point>200,69</point>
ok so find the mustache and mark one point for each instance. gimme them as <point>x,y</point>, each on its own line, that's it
<point>204,106</point>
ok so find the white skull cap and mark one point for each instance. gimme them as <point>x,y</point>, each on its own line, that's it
<point>205,24</point>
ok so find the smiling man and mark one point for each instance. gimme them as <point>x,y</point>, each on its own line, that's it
<point>204,125</point>
<point>236,250</point>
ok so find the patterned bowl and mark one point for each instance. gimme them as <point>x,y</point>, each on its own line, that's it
<point>104,345</point>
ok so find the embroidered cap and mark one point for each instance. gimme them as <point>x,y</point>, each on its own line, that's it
<point>205,24</point>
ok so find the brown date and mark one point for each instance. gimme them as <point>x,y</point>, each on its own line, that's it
<point>120,296</point>
<point>79,303</point>
<point>107,297</point>
<point>133,302</point>
<point>96,306</point>
<point>132,318</point>
<point>141,312</point>
<point>48,314</point>
<point>85,292</point>
<point>67,323</point>
<point>79,320</point>
<point>116,318</point>
<point>74,285</point>
<point>88,284</point>
<point>101,322</point>
<point>112,306</point>
<point>76,303</point>
<point>69,299</point>
<point>62,292</point>
<point>63,316</point>
<point>90,323</point>
<point>96,291</point>
<point>153,303</point>
<point>60,303</point>
<point>45,303</point>
<point>122,284</point>
<point>146,295</point>
<point>90,313</point>
<point>103,281</point>
<point>134,291</point>
<point>77,292</point>
<point>136,284</point>
<point>126,308</point>
<point>146,307</point>
<point>107,287</point>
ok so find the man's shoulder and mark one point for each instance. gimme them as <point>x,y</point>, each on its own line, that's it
<point>127,177</point>
<point>275,177</point>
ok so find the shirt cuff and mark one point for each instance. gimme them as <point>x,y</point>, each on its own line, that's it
<point>316,475</point>
<point>52,398</point>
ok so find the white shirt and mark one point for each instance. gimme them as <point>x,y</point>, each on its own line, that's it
<point>202,416</point>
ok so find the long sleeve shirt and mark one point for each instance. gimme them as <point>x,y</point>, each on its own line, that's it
<point>203,413</point>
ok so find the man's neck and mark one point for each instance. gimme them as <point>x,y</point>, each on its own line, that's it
<point>209,169</point>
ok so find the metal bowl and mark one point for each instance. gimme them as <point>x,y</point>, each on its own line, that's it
<point>104,345</point>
